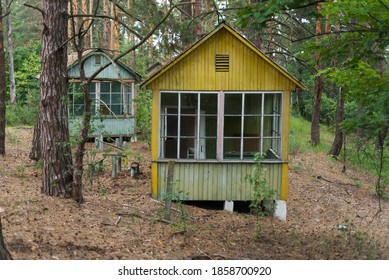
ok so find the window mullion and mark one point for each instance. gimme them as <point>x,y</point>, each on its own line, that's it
<point>220,125</point>
<point>242,127</point>
<point>198,127</point>
<point>262,113</point>
<point>179,125</point>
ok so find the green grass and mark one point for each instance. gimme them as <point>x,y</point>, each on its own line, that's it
<point>367,158</point>
<point>300,136</point>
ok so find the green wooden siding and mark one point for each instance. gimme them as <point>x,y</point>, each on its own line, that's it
<point>106,126</point>
<point>216,181</point>
<point>115,71</point>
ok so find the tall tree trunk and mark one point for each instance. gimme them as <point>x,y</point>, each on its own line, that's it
<point>106,31</point>
<point>86,39</point>
<point>339,134</point>
<point>131,37</point>
<point>36,152</point>
<point>82,135</point>
<point>338,140</point>
<point>12,84</point>
<point>318,90</point>
<point>197,11</point>
<point>54,139</point>
<point>4,253</point>
<point>114,39</point>
<point>384,132</point>
<point>2,88</point>
<point>91,28</point>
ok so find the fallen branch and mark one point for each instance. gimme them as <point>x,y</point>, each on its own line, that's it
<point>146,218</point>
<point>333,182</point>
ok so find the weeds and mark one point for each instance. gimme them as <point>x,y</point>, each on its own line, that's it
<point>262,193</point>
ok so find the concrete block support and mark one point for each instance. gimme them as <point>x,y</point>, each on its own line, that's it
<point>280,210</point>
<point>229,206</point>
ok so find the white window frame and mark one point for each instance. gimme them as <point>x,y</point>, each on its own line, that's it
<point>220,124</point>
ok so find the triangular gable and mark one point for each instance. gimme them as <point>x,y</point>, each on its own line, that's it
<point>191,49</point>
<point>73,70</point>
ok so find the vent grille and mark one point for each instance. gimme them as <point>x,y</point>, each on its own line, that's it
<point>222,63</point>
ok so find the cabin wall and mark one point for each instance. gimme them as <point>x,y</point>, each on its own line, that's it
<point>216,181</point>
<point>114,127</point>
<point>195,71</point>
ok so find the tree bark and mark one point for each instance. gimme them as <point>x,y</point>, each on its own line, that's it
<point>106,31</point>
<point>36,152</point>
<point>197,11</point>
<point>2,88</point>
<point>82,135</point>
<point>4,253</point>
<point>54,139</point>
<point>338,140</point>
<point>12,84</point>
<point>384,132</point>
<point>84,8</point>
<point>318,90</point>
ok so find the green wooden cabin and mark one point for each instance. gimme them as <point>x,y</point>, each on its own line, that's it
<point>112,93</point>
<point>214,107</point>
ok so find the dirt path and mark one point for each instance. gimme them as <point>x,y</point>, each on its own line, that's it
<point>331,215</point>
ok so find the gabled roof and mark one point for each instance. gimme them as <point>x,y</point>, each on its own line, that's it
<point>73,61</point>
<point>225,26</point>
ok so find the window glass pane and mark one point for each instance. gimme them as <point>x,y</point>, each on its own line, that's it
<point>268,126</point>
<point>231,147</point>
<point>210,125</point>
<point>252,104</point>
<point>252,126</point>
<point>116,109</point>
<point>171,125</point>
<point>208,103</point>
<point>105,98</point>
<point>251,145</point>
<point>116,98</point>
<point>115,87</point>
<point>233,104</point>
<point>187,148</point>
<point>105,87</point>
<point>169,147</point>
<point>208,148</point>
<point>273,103</point>
<point>92,87</point>
<point>232,126</point>
<point>188,125</point>
<point>189,103</point>
<point>169,99</point>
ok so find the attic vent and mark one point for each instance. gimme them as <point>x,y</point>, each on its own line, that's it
<point>222,62</point>
<point>98,59</point>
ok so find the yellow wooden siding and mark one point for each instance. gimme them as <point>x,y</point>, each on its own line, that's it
<point>216,181</point>
<point>285,180</point>
<point>248,71</point>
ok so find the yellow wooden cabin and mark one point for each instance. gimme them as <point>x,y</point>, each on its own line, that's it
<point>215,106</point>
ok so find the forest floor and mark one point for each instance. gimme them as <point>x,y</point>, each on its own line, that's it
<point>331,215</point>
